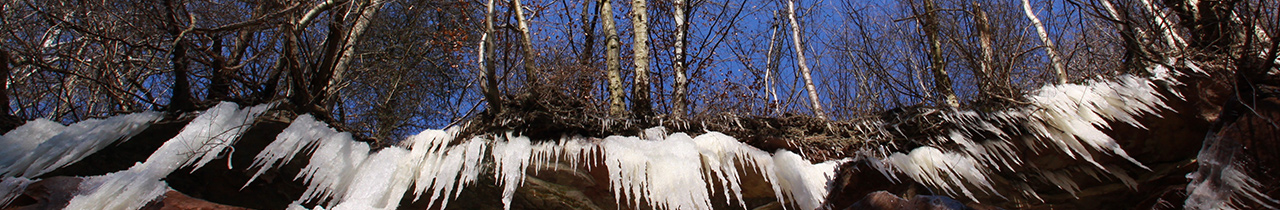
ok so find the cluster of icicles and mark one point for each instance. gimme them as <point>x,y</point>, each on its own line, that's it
<point>660,170</point>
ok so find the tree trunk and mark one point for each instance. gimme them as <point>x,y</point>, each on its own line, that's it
<point>180,99</point>
<point>1058,66</point>
<point>4,79</point>
<point>1134,51</point>
<point>938,64</point>
<point>588,35</point>
<point>771,65</point>
<point>290,63</point>
<point>986,57</point>
<point>640,104</point>
<point>531,73</point>
<point>368,9</point>
<point>682,81</point>
<point>613,67</point>
<point>486,62</point>
<point>800,60</point>
<point>1166,28</point>
<point>219,81</point>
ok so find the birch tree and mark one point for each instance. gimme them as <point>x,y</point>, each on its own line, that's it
<point>1058,66</point>
<point>796,41</point>
<point>986,55</point>
<point>613,68</point>
<point>365,12</point>
<point>531,73</point>
<point>682,81</point>
<point>640,104</point>
<point>485,57</point>
<point>937,63</point>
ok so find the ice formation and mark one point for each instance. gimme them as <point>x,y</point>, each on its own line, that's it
<point>1067,118</point>
<point>658,170</point>
<point>41,146</point>
<point>1220,182</point>
<point>197,144</point>
<point>11,187</point>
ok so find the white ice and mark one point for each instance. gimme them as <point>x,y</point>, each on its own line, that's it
<point>42,146</point>
<point>196,145</point>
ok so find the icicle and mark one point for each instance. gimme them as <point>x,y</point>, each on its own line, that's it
<point>511,158</point>
<point>20,141</point>
<point>12,187</point>
<point>1220,183</point>
<point>71,143</point>
<point>198,143</point>
<point>332,167</point>
<point>942,170</point>
<point>379,184</point>
<point>305,132</point>
<point>806,183</point>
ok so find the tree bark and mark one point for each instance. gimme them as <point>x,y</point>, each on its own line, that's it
<point>531,73</point>
<point>4,79</point>
<point>802,63</point>
<point>682,81</point>
<point>1058,66</point>
<point>640,104</point>
<point>366,12</point>
<point>771,65</point>
<point>180,98</point>
<point>1166,28</point>
<point>219,81</point>
<point>937,63</point>
<point>986,57</point>
<point>613,59</point>
<point>588,35</point>
<point>486,62</point>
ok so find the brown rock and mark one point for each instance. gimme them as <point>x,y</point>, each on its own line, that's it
<point>882,200</point>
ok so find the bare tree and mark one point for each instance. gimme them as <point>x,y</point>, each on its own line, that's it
<point>4,79</point>
<point>485,56</point>
<point>613,68</point>
<point>796,41</point>
<point>1059,67</point>
<point>680,99</point>
<point>364,13</point>
<point>640,104</point>
<point>531,73</point>
<point>937,63</point>
<point>181,99</point>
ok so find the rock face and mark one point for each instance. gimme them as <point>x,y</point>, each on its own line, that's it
<point>882,200</point>
<point>56,192</point>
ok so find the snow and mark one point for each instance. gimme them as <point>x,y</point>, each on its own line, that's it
<point>41,146</point>
<point>196,145</point>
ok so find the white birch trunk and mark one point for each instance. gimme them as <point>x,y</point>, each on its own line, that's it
<point>803,65</point>
<point>613,66</point>
<point>682,81</point>
<point>1050,49</point>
